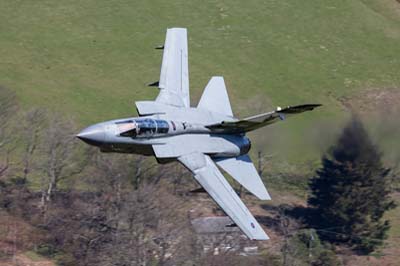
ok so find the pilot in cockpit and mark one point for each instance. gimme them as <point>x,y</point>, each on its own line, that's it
<point>142,127</point>
<point>128,129</point>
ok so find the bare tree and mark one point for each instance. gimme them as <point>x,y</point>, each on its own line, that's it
<point>61,156</point>
<point>148,221</point>
<point>30,131</point>
<point>8,107</point>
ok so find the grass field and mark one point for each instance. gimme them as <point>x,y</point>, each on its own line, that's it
<point>91,59</point>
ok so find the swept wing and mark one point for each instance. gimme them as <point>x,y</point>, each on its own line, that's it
<point>174,77</point>
<point>261,120</point>
<point>210,178</point>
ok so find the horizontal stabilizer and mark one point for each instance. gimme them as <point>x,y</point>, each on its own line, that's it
<point>243,171</point>
<point>261,120</point>
<point>215,98</point>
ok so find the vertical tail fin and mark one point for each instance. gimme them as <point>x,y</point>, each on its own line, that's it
<point>215,97</point>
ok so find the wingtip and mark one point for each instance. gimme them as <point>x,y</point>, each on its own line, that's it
<point>263,196</point>
<point>268,197</point>
<point>258,232</point>
<point>262,237</point>
<point>178,29</point>
<point>315,105</point>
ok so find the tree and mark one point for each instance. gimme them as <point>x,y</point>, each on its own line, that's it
<point>60,151</point>
<point>30,130</point>
<point>351,191</point>
<point>8,107</point>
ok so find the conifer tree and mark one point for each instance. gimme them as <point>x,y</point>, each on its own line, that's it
<point>351,191</point>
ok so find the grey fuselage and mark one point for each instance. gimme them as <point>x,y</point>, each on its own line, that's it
<point>165,137</point>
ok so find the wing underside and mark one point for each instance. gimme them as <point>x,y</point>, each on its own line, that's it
<point>174,77</point>
<point>210,178</point>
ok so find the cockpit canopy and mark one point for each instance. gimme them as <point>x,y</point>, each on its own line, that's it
<point>142,127</point>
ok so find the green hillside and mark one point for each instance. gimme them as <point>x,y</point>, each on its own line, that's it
<point>91,59</point>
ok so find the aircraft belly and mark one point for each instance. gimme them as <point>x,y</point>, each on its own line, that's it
<point>146,150</point>
<point>216,146</point>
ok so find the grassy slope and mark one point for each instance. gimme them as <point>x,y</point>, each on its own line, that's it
<point>92,58</point>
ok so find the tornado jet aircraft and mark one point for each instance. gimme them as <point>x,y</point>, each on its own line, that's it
<point>205,138</point>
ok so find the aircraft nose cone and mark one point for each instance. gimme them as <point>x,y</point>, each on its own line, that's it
<point>93,135</point>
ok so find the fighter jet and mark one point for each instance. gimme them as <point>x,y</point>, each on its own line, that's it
<point>203,138</point>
